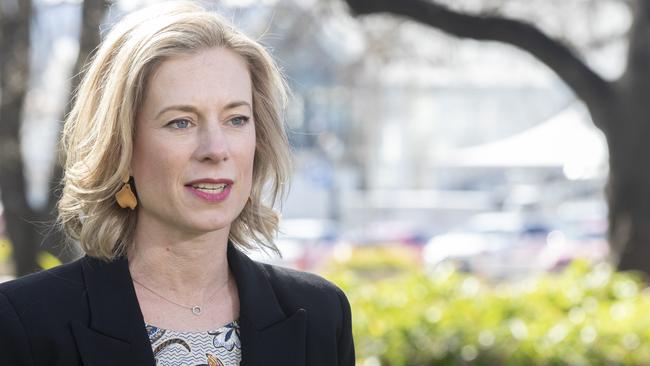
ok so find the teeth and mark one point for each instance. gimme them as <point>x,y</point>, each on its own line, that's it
<point>210,186</point>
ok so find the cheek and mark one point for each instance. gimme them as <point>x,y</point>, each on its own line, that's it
<point>247,161</point>
<point>247,149</point>
<point>151,162</point>
<point>246,169</point>
<point>138,159</point>
<point>142,157</point>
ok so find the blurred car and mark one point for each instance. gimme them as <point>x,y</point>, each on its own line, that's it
<point>495,245</point>
<point>303,243</point>
<point>576,240</point>
<point>582,233</point>
<point>386,232</point>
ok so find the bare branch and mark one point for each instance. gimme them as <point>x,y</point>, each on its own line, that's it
<point>587,85</point>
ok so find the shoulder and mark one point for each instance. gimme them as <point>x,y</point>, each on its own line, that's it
<point>37,307</point>
<point>45,283</point>
<point>43,293</point>
<point>297,280</point>
<point>328,311</point>
<point>296,289</point>
<point>293,289</point>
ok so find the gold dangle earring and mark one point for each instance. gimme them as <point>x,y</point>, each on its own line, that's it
<point>125,197</point>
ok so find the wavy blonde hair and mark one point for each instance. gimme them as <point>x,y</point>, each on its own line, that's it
<point>98,133</point>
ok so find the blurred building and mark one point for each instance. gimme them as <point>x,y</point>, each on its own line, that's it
<point>482,127</point>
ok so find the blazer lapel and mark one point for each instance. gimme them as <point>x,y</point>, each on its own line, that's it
<point>116,333</point>
<point>268,335</point>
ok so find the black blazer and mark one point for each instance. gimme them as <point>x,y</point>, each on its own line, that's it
<point>87,313</point>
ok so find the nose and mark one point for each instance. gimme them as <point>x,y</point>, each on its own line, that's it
<point>213,144</point>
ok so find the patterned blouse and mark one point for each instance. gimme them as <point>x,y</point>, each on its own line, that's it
<point>220,347</point>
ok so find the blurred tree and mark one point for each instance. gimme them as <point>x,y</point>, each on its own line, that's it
<point>14,76</point>
<point>25,226</point>
<point>618,107</point>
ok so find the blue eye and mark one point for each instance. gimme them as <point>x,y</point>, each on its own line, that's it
<point>239,121</point>
<point>179,123</point>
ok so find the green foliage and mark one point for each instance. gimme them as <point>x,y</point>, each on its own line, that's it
<point>586,315</point>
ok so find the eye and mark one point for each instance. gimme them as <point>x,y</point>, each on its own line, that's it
<point>179,123</point>
<point>239,121</point>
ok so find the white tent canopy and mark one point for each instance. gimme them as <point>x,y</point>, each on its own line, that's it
<point>568,140</point>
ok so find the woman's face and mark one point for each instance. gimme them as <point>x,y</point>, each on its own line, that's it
<point>194,143</point>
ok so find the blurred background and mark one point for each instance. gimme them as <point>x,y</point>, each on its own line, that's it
<point>472,172</point>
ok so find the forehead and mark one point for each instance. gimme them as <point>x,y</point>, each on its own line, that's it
<point>214,75</point>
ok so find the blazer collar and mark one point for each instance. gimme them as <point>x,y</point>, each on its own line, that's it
<point>253,285</point>
<point>116,330</point>
<point>269,336</point>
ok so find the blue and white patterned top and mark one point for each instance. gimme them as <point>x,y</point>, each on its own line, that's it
<point>220,347</point>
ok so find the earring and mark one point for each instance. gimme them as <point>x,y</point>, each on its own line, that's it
<point>125,197</point>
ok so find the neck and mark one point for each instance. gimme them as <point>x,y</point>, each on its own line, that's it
<point>190,267</point>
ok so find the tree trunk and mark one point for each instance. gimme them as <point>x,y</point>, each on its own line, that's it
<point>92,15</point>
<point>14,76</point>
<point>628,188</point>
<point>629,213</point>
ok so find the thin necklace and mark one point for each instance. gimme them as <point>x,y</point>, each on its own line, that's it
<point>196,309</point>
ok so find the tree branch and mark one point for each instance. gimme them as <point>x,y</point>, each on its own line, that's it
<point>587,85</point>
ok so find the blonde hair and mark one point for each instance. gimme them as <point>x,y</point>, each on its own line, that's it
<point>98,133</point>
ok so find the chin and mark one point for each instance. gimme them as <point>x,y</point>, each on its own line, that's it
<point>206,221</point>
<point>210,226</point>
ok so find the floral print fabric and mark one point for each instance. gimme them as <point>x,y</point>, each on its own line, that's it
<point>220,347</point>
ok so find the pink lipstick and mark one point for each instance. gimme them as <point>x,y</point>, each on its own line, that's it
<point>210,190</point>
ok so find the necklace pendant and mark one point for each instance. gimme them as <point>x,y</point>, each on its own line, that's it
<point>196,310</point>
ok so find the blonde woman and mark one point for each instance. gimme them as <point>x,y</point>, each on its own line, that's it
<point>175,133</point>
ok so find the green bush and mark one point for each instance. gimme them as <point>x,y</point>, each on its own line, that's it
<point>586,315</point>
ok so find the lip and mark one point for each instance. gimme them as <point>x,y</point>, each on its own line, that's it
<point>210,197</point>
<point>210,180</point>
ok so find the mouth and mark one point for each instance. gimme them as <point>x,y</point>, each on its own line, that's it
<point>209,187</point>
<point>210,190</point>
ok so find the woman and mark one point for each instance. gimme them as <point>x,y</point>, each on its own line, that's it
<point>174,135</point>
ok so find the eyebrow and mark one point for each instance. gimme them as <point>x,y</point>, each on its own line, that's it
<point>192,109</point>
